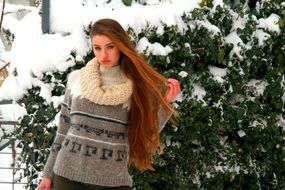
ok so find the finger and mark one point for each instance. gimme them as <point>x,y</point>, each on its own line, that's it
<point>48,186</point>
<point>173,81</point>
<point>174,87</point>
<point>171,95</point>
<point>171,88</point>
<point>40,187</point>
<point>173,92</point>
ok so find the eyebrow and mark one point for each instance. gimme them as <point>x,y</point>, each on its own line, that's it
<point>111,43</point>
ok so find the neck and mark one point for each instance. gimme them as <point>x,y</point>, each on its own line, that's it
<point>111,75</point>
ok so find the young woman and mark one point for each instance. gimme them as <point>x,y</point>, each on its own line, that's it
<point>113,111</point>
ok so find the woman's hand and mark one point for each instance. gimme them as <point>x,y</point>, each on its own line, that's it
<point>174,89</point>
<point>45,184</point>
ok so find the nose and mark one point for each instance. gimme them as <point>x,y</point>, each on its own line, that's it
<point>104,53</point>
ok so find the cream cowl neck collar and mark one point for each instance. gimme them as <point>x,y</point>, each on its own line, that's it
<point>104,86</point>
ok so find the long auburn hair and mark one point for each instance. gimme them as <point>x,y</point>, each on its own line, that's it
<point>149,89</point>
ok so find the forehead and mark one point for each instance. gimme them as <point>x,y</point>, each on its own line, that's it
<point>101,40</point>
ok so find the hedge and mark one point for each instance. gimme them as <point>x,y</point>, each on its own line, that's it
<point>230,134</point>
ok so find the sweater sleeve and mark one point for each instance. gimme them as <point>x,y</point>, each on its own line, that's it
<point>163,117</point>
<point>64,124</point>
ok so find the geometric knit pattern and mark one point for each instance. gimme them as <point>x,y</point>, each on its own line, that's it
<point>91,143</point>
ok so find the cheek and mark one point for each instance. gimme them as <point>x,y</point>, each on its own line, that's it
<point>117,53</point>
<point>95,53</point>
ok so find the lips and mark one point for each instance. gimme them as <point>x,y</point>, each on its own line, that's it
<point>105,61</point>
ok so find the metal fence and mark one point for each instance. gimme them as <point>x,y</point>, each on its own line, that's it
<point>9,154</point>
<point>9,144</point>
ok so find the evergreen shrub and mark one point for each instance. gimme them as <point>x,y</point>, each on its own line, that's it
<point>230,134</point>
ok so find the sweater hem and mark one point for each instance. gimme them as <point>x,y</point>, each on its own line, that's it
<point>93,179</point>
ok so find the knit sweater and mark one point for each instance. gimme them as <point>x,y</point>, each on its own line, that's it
<point>91,143</point>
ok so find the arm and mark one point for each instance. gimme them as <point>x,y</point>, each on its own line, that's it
<point>174,90</point>
<point>64,124</point>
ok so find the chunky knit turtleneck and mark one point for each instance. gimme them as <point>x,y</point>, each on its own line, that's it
<point>91,143</point>
<point>101,89</point>
<point>111,75</point>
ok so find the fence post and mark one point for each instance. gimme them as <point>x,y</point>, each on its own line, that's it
<point>45,16</point>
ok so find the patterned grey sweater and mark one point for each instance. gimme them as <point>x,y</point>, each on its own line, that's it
<point>91,144</point>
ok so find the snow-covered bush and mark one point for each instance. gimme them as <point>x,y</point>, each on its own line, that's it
<point>229,58</point>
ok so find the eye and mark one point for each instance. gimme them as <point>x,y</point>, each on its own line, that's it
<point>110,46</point>
<point>97,48</point>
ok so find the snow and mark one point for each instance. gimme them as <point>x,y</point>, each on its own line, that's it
<point>263,25</point>
<point>217,2</point>
<point>199,93</point>
<point>14,92</point>
<point>2,48</point>
<point>137,16</point>
<point>11,112</point>
<point>257,86</point>
<point>270,23</point>
<point>34,53</point>
<point>281,122</point>
<point>11,21</point>
<point>218,73</point>
<point>144,46</point>
<point>234,39</point>
<point>6,174</point>
<point>258,123</point>
<point>283,87</point>
<point>234,169</point>
<point>239,22</point>
<point>261,37</point>
<point>241,133</point>
<point>183,74</point>
<point>214,30</point>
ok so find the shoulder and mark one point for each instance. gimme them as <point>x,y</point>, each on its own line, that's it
<point>73,82</point>
<point>73,76</point>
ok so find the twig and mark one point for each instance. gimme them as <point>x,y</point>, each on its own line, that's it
<point>2,14</point>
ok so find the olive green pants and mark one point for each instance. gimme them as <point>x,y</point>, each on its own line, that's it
<point>61,183</point>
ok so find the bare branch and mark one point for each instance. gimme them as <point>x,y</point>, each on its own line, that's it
<point>2,14</point>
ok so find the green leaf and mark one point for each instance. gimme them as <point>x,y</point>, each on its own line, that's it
<point>127,2</point>
<point>221,55</point>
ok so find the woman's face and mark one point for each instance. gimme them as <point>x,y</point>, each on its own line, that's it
<point>105,51</point>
